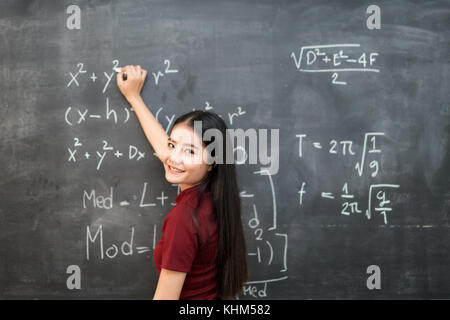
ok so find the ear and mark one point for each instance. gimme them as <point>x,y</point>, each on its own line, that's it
<point>212,166</point>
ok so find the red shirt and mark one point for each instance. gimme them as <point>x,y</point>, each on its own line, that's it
<point>179,248</point>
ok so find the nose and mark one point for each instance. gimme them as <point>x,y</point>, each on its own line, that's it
<point>174,156</point>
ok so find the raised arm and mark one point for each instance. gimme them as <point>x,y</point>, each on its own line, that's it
<point>131,89</point>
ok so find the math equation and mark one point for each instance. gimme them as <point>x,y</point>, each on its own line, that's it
<point>334,59</point>
<point>377,200</point>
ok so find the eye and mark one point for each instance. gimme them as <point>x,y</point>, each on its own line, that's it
<point>170,144</point>
<point>189,151</point>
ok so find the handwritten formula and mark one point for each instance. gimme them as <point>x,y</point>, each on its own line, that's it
<point>378,195</point>
<point>335,58</point>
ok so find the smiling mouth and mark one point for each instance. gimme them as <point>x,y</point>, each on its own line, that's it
<point>175,170</point>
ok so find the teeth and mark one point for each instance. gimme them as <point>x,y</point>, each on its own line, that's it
<point>174,169</point>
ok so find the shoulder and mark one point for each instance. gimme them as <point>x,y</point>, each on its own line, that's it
<point>193,201</point>
<point>180,211</point>
<point>180,216</point>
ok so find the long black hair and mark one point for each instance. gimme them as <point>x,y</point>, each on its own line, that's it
<point>221,181</point>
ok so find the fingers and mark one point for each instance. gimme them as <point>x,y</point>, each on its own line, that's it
<point>143,75</point>
<point>130,72</point>
<point>119,76</point>
<point>123,74</point>
<point>134,72</point>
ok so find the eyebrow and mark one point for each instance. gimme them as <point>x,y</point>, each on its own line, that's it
<point>186,144</point>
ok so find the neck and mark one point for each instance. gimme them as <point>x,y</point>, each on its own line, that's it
<point>186,186</point>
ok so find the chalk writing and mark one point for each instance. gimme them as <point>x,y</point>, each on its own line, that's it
<point>126,248</point>
<point>252,289</point>
<point>81,74</point>
<point>270,247</point>
<point>93,199</point>
<point>335,58</point>
<point>344,148</point>
<point>75,153</point>
<point>76,117</point>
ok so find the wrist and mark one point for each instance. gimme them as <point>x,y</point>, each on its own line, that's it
<point>134,99</point>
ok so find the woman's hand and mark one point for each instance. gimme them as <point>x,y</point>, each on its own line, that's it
<point>131,89</point>
<point>135,78</point>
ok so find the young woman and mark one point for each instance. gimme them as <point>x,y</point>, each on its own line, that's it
<point>202,252</point>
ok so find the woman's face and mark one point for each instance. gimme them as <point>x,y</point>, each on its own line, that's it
<point>183,158</point>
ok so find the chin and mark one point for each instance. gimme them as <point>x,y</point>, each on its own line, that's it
<point>173,179</point>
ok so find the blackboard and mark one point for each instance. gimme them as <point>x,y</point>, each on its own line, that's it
<point>359,207</point>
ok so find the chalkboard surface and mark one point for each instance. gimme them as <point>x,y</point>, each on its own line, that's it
<point>359,207</point>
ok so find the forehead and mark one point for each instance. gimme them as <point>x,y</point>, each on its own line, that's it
<point>182,133</point>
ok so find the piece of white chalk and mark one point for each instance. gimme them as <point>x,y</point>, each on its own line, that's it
<point>117,69</point>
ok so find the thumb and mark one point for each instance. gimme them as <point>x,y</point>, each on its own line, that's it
<point>121,77</point>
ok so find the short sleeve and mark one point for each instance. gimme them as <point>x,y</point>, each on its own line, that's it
<point>180,240</point>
